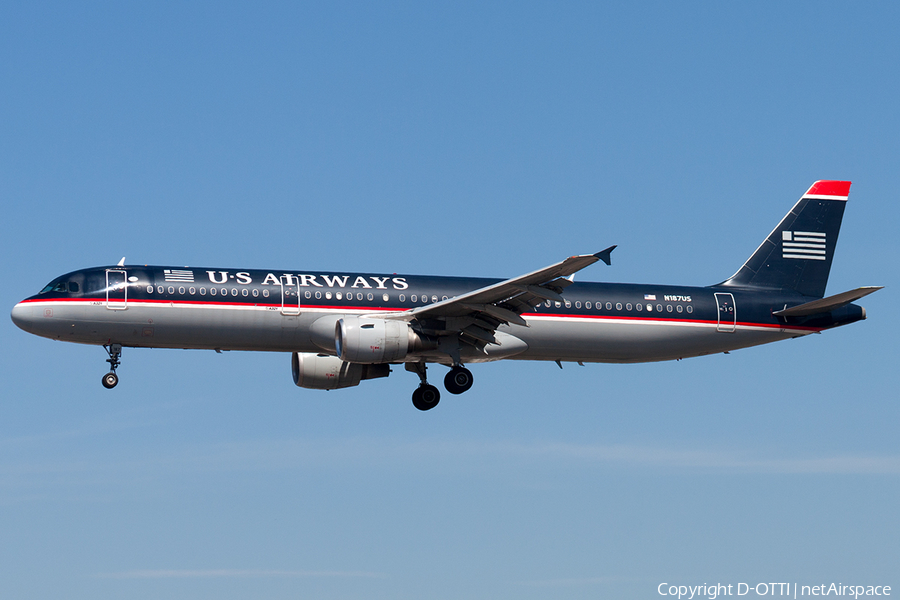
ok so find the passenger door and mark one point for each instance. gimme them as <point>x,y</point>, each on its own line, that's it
<point>290,295</point>
<point>116,289</point>
<point>727,313</point>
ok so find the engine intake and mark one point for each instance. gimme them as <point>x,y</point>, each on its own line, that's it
<point>323,372</point>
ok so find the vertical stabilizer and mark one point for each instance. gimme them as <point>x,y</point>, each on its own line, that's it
<point>797,254</point>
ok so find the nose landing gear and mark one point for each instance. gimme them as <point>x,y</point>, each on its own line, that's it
<point>115,352</point>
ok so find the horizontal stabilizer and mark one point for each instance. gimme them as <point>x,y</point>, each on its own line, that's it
<point>827,304</point>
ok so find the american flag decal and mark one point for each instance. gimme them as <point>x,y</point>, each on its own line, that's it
<point>179,275</point>
<point>806,245</point>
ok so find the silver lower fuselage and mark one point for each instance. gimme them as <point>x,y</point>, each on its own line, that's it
<point>602,338</point>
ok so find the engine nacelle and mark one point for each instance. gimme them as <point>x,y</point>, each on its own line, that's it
<point>323,372</point>
<point>365,340</point>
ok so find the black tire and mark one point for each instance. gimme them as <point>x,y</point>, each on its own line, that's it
<point>426,397</point>
<point>110,380</point>
<point>458,380</point>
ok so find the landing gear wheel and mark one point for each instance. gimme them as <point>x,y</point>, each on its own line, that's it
<point>458,380</point>
<point>426,397</point>
<point>115,353</point>
<point>110,380</point>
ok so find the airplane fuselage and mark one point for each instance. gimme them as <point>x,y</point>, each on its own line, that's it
<point>256,310</point>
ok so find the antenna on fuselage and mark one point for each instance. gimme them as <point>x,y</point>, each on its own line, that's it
<point>121,263</point>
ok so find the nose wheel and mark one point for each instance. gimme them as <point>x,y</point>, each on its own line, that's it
<point>110,380</point>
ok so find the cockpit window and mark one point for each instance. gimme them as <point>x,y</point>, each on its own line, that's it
<point>55,286</point>
<point>67,284</point>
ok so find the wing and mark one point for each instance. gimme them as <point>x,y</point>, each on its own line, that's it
<point>476,315</point>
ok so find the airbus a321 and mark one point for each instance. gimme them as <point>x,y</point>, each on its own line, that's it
<point>343,328</point>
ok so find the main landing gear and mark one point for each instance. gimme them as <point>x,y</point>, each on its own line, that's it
<point>115,352</point>
<point>426,396</point>
<point>458,380</point>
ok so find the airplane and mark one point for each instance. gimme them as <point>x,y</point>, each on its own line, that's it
<point>343,328</point>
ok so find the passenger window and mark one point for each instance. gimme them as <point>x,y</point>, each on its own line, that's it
<point>434,298</point>
<point>402,297</point>
<point>359,296</point>
<point>318,295</point>
<point>181,290</point>
<point>628,306</point>
<point>618,306</point>
<point>690,309</point>
<point>149,289</point>
<point>234,291</point>
<point>578,304</point>
<point>370,297</point>
<point>558,304</point>
<point>203,291</point>
<point>547,304</point>
<point>385,297</point>
<point>213,291</point>
<point>171,289</point>
<point>308,294</point>
<point>659,307</point>
<point>328,295</point>
<point>265,292</point>
<point>255,293</point>
<point>678,308</point>
<point>587,304</point>
<point>160,289</point>
<point>649,308</point>
<point>193,291</point>
<point>609,306</point>
<point>669,308</point>
<point>414,298</point>
<point>244,292</point>
<point>568,304</point>
<point>639,306</point>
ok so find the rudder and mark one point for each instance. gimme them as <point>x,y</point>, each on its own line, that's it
<point>797,254</point>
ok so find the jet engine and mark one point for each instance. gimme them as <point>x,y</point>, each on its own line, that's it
<point>370,341</point>
<point>323,372</point>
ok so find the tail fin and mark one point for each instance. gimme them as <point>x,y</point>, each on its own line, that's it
<point>797,254</point>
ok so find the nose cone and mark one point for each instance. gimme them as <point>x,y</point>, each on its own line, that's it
<point>22,316</point>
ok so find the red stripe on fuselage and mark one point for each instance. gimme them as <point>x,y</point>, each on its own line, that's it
<point>188,303</point>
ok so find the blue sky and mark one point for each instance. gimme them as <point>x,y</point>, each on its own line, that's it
<point>451,139</point>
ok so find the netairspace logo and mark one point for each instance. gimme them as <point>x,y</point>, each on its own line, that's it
<point>792,590</point>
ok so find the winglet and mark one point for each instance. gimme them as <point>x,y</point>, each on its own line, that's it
<point>121,263</point>
<point>604,254</point>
